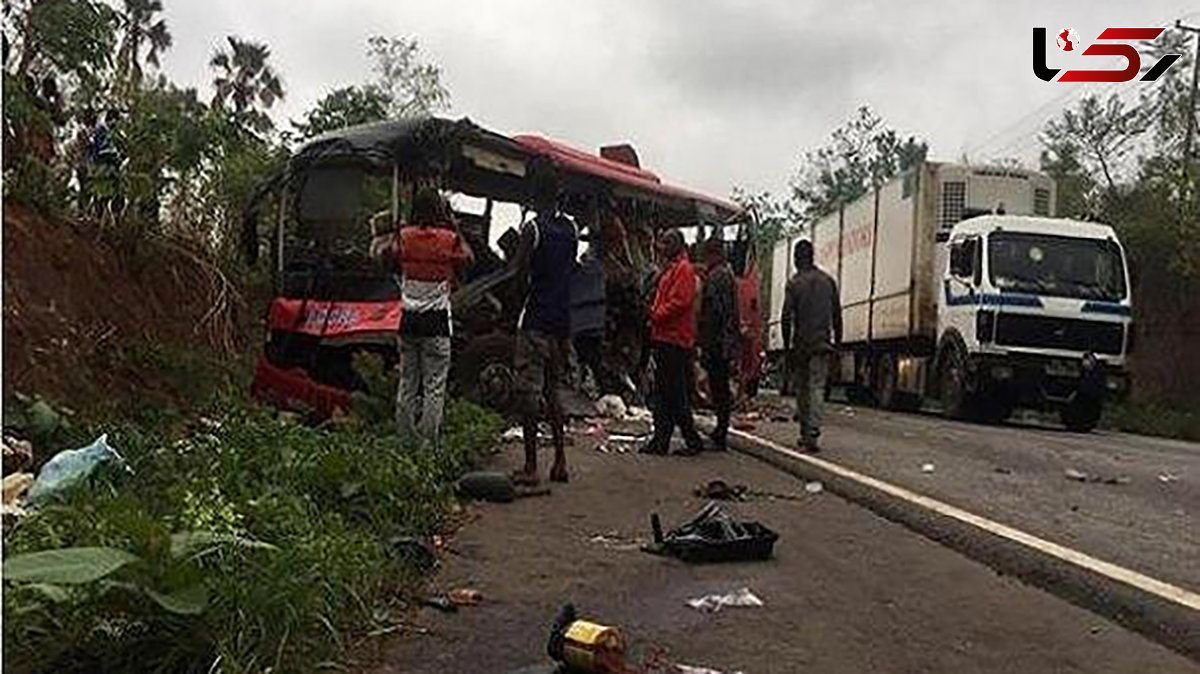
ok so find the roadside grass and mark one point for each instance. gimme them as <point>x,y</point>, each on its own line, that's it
<point>1168,419</point>
<point>259,543</point>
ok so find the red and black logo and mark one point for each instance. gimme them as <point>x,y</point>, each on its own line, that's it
<point>1109,43</point>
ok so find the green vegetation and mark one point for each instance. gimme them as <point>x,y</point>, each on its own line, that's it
<point>1169,419</point>
<point>240,538</point>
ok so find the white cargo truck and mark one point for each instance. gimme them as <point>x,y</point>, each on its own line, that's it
<point>956,284</point>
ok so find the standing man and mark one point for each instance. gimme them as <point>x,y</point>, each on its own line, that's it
<point>545,256</point>
<point>812,325</point>
<point>429,251</point>
<point>673,337</point>
<point>719,334</point>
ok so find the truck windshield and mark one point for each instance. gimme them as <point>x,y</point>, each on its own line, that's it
<point>1060,266</point>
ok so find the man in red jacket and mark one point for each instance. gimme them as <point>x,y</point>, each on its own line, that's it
<point>673,336</point>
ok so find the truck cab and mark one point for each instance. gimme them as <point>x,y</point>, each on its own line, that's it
<point>1034,312</point>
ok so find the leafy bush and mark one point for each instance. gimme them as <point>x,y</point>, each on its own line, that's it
<point>1180,421</point>
<point>283,533</point>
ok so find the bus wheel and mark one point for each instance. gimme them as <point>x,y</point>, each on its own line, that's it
<point>484,372</point>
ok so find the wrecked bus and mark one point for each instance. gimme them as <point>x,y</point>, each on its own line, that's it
<point>341,191</point>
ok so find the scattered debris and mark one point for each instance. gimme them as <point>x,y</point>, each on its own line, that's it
<point>628,439</point>
<point>814,487</point>
<point>584,646</point>
<point>1168,477</point>
<point>594,429</point>
<point>413,552</point>
<point>782,417</point>
<point>15,486</point>
<point>688,669</point>
<point>495,486</point>
<point>441,603</point>
<point>487,486</point>
<point>17,454</point>
<point>927,468</point>
<point>722,491</point>
<point>715,602</point>
<point>639,413</point>
<point>465,596</point>
<point>43,419</point>
<point>614,541</point>
<point>713,536</point>
<point>1080,476</point>
<point>612,406</point>
<point>743,424</point>
<point>70,467</point>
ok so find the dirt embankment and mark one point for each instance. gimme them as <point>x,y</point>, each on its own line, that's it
<point>89,319</point>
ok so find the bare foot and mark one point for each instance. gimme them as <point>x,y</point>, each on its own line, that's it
<point>526,478</point>
<point>559,473</point>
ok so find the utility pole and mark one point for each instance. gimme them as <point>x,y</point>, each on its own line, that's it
<point>1191,120</point>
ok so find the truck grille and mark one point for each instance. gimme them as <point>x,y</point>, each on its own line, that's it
<point>1059,333</point>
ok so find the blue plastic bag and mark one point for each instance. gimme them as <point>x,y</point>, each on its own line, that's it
<point>72,466</point>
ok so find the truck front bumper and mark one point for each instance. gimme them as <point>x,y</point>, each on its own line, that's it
<point>1048,381</point>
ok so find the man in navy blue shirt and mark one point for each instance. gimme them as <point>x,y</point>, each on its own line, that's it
<point>546,254</point>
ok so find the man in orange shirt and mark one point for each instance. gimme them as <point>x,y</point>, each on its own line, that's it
<point>673,337</point>
<point>428,252</point>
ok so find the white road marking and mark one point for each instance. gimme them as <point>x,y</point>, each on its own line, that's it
<point>1140,581</point>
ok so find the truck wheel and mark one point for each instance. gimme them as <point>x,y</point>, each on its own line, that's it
<point>885,383</point>
<point>1082,414</point>
<point>994,411</point>
<point>956,402</point>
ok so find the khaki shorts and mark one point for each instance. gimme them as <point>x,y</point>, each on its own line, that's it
<point>540,362</point>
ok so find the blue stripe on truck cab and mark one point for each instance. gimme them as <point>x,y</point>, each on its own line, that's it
<point>992,299</point>
<point>1107,308</point>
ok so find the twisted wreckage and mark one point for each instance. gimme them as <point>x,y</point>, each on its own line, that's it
<point>346,189</point>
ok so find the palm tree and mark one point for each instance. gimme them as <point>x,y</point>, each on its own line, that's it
<point>244,79</point>
<point>141,27</point>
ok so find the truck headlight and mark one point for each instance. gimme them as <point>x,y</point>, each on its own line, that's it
<point>985,324</point>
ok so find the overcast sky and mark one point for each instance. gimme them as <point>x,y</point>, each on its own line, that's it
<point>712,93</point>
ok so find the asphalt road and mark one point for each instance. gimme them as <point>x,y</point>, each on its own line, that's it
<point>1139,506</point>
<point>847,590</point>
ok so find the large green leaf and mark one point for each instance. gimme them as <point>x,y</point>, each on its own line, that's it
<point>67,566</point>
<point>190,600</point>
<point>187,542</point>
